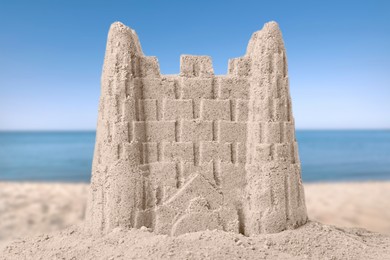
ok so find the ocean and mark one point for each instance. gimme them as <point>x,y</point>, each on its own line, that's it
<point>67,156</point>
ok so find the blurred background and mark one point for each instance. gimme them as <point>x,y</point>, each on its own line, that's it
<point>51,58</point>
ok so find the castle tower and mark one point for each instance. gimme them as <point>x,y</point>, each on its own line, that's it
<point>196,151</point>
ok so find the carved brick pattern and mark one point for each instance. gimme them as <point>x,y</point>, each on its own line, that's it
<point>215,136</point>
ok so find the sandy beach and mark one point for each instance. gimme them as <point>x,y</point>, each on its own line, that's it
<point>34,208</point>
<point>30,209</point>
<point>364,205</point>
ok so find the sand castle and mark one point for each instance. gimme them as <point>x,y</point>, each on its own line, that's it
<point>196,151</point>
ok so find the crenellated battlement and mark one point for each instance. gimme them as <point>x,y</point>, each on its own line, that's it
<point>164,143</point>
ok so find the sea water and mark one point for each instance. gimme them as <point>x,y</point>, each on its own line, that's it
<point>67,156</point>
<point>46,156</point>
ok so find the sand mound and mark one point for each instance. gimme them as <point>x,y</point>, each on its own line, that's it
<point>311,241</point>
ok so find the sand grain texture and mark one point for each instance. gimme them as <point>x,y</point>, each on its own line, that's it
<point>311,241</point>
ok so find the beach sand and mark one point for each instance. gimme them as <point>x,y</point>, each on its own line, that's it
<point>30,209</point>
<point>365,205</point>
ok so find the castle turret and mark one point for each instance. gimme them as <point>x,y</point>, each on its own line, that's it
<point>115,184</point>
<point>275,193</point>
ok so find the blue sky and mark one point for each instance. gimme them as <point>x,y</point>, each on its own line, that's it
<point>51,55</point>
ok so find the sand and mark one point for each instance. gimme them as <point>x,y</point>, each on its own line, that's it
<point>311,241</point>
<point>31,209</point>
<point>364,205</point>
